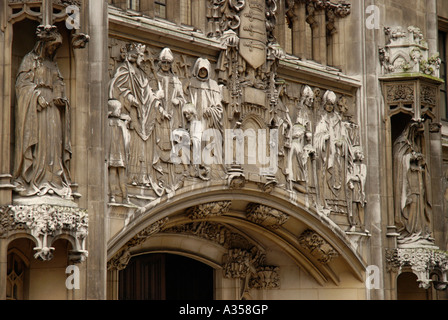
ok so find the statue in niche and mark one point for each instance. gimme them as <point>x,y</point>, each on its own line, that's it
<point>131,86</point>
<point>169,122</point>
<point>412,193</point>
<point>118,151</point>
<point>301,145</point>
<point>205,94</point>
<point>331,146</point>
<point>356,180</point>
<point>43,149</point>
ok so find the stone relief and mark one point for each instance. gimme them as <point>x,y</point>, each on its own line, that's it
<point>170,100</point>
<point>318,151</point>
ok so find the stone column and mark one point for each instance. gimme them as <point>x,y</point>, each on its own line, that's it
<point>198,15</point>
<point>147,7</point>
<point>320,38</point>
<point>280,28</point>
<point>5,106</point>
<point>3,268</point>
<point>299,36</point>
<point>173,11</point>
<point>89,131</point>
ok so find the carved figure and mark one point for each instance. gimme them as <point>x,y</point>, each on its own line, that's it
<point>43,149</point>
<point>301,137</point>
<point>331,145</point>
<point>205,94</point>
<point>412,188</point>
<point>356,180</point>
<point>168,122</point>
<point>118,151</point>
<point>130,85</point>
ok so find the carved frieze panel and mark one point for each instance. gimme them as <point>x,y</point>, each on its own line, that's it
<point>162,102</point>
<point>317,246</point>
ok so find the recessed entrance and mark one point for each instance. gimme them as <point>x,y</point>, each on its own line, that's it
<point>166,277</point>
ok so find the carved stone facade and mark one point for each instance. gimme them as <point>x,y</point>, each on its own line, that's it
<point>282,143</point>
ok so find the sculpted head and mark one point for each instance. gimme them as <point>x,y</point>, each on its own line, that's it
<point>166,59</point>
<point>307,96</point>
<point>329,101</point>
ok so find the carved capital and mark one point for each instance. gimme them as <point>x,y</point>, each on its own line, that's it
<point>317,246</point>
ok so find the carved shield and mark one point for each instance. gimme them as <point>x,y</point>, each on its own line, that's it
<point>253,33</point>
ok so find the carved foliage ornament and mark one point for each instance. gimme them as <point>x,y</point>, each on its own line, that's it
<point>122,257</point>
<point>266,216</point>
<point>45,221</point>
<point>211,209</point>
<point>317,246</point>
<point>423,262</point>
<point>248,265</point>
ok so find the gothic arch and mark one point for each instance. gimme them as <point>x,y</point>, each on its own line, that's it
<point>312,241</point>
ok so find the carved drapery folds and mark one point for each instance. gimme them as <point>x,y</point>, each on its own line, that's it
<point>46,222</point>
<point>332,177</point>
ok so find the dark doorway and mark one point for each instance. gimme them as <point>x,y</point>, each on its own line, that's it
<point>165,277</point>
<point>408,288</point>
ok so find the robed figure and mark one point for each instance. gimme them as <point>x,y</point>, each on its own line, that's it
<point>43,149</point>
<point>131,86</point>
<point>170,123</point>
<point>412,190</point>
<point>205,94</point>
